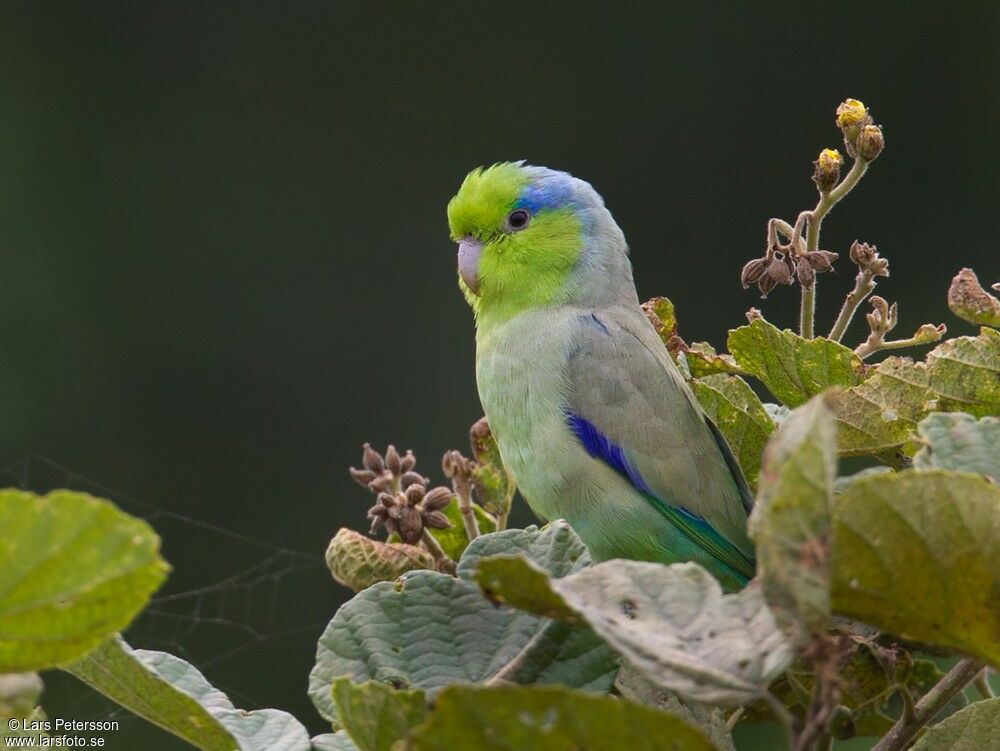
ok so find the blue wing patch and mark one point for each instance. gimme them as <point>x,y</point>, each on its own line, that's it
<point>599,447</point>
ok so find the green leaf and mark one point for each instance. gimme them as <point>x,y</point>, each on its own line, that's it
<point>428,629</point>
<point>955,440</point>
<point>793,369</point>
<point>917,553</point>
<point>453,539</point>
<point>174,695</point>
<point>702,360</point>
<point>880,415</point>
<point>660,312</point>
<point>735,409</point>
<point>504,718</point>
<point>31,726</point>
<point>374,714</point>
<point>670,622</point>
<point>493,483</point>
<point>965,374</point>
<point>339,741</point>
<point>974,728</point>
<point>73,570</point>
<point>357,561</point>
<point>556,549</point>
<point>790,523</point>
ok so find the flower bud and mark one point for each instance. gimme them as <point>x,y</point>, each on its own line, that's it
<point>827,172</point>
<point>362,476</point>
<point>393,460</point>
<point>805,272</point>
<point>852,116</point>
<point>437,499</point>
<point>414,494</point>
<point>411,478</point>
<point>372,459</point>
<point>408,462</point>
<point>867,258</point>
<point>870,142</point>
<point>779,269</point>
<point>411,525</point>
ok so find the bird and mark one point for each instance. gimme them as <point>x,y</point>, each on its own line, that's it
<point>590,413</point>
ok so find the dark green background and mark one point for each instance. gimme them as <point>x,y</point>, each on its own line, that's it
<point>225,258</point>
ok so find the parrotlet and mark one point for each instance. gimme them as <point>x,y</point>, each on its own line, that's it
<point>590,413</point>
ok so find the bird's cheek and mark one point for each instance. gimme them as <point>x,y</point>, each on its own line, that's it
<point>469,251</point>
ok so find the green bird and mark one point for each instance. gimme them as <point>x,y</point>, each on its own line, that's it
<point>590,413</point>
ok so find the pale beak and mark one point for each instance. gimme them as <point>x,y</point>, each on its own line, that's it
<point>469,251</point>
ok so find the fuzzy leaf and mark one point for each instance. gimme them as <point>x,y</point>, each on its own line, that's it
<point>735,409</point>
<point>880,414</point>
<point>790,523</point>
<point>793,369</point>
<point>969,301</point>
<point>917,553</point>
<point>492,481</point>
<point>374,714</point>
<point>73,570</point>
<point>660,312</point>
<point>174,695</point>
<point>974,728</point>
<point>672,623</point>
<point>553,718</point>
<point>702,360</point>
<point>965,374</point>
<point>958,441</point>
<point>357,561</point>
<point>428,629</point>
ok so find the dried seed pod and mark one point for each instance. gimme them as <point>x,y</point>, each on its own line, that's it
<point>408,462</point>
<point>805,272</point>
<point>362,476</point>
<point>411,524</point>
<point>414,494</point>
<point>821,260</point>
<point>780,269</point>
<point>870,142</point>
<point>411,478</point>
<point>753,271</point>
<point>437,498</point>
<point>436,520</point>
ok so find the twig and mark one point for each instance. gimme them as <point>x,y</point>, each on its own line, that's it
<point>815,220</point>
<point>864,285</point>
<point>468,514</point>
<point>982,684</point>
<point>932,702</point>
<point>501,520</point>
<point>873,345</point>
<point>734,718</point>
<point>441,559</point>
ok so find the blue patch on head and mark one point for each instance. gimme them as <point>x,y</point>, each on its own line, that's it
<point>549,193</point>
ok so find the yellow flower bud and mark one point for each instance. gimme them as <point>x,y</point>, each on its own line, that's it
<point>851,112</point>
<point>827,172</point>
<point>870,142</point>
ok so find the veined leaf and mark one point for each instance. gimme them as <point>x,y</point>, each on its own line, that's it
<point>357,561</point>
<point>955,440</point>
<point>975,728</point>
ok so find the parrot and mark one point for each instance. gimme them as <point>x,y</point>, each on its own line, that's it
<point>591,415</point>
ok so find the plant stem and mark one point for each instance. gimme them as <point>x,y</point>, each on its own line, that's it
<point>864,285</point>
<point>734,718</point>
<point>468,515</point>
<point>441,559</point>
<point>501,520</point>
<point>983,686</point>
<point>814,221</point>
<point>870,346</point>
<point>932,702</point>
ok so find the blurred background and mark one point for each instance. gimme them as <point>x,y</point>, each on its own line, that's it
<point>226,262</point>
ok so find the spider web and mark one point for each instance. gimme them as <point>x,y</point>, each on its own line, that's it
<point>203,614</point>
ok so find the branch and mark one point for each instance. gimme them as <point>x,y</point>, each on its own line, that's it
<point>864,285</point>
<point>927,708</point>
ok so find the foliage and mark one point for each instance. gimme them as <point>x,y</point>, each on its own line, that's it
<point>465,634</point>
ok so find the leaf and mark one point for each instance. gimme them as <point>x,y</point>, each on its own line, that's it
<point>493,483</point>
<point>453,539</point>
<point>710,720</point>
<point>556,549</point>
<point>793,369</point>
<point>552,718</point>
<point>917,553</point>
<point>428,629</point>
<point>965,374</point>
<point>174,695</point>
<point>974,728</point>
<point>672,623</point>
<point>32,726</point>
<point>702,360</point>
<point>375,715</point>
<point>955,440</point>
<point>735,409</point>
<point>969,301</point>
<point>660,312</point>
<point>339,741</point>
<point>73,570</point>
<point>357,561</point>
<point>880,414</point>
<point>790,523</point>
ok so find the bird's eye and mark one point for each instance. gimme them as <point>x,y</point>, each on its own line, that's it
<point>518,219</point>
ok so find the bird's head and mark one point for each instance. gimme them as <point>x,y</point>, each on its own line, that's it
<point>531,237</point>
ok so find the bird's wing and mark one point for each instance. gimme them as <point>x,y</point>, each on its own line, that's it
<point>629,406</point>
